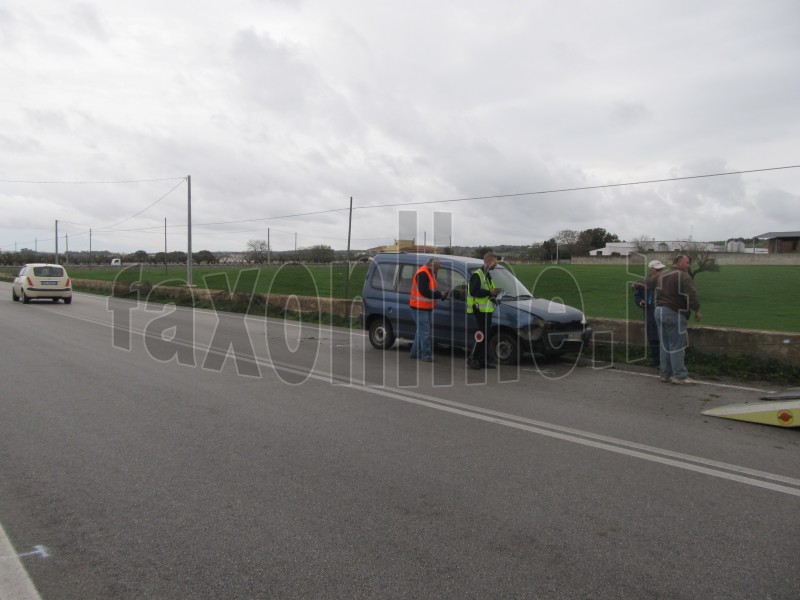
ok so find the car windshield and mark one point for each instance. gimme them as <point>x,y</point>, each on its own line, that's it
<point>48,271</point>
<point>505,280</point>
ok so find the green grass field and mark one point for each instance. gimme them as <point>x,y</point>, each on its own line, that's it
<point>749,297</point>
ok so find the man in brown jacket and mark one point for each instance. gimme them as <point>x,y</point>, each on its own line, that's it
<point>676,297</point>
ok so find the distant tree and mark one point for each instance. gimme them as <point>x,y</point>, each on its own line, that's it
<point>703,258</point>
<point>256,252</point>
<point>320,254</point>
<point>548,250</point>
<point>567,240</point>
<point>447,250</point>
<point>140,256</point>
<point>534,251</point>
<point>593,239</point>
<point>481,251</point>
<point>642,244</point>
<point>204,256</point>
<point>176,257</point>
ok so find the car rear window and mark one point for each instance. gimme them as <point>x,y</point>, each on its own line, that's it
<point>48,271</point>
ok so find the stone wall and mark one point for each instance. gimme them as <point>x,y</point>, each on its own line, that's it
<point>784,347</point>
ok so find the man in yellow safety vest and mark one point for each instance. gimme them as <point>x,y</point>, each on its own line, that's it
<point>480,302</point>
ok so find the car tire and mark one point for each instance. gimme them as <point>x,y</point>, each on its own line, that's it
<point>24,297</point>
<point>14,296</point>
<point>504,348</point>
<point>381,335</point>
<point>68,300</point>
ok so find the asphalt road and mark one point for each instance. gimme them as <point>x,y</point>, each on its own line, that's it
<point>152,453</point>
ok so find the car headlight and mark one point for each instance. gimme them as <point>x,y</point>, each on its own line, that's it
<point>534,331</point>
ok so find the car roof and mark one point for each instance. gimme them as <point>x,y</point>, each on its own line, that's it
<point>420,258</point>
<point>42,265</point>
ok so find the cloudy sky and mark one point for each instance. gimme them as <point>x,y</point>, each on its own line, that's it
<point>289,107</point>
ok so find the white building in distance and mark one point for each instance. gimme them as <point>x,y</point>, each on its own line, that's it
<point>626,248</point>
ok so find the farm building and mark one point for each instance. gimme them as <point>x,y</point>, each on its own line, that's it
<point>626,248</point>
<point>779,242</point>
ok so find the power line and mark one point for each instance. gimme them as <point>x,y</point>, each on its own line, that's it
<point>148,207</point>
<point>577,189</point>
<point>499,196</point>
<point>422,202</point>
<point>111,227</point>
<point>307,214</point>
<point>90,182</point>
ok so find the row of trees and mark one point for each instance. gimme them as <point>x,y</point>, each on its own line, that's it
<point>569,242</point>
<point>258,253</point>
<point>103,257</point>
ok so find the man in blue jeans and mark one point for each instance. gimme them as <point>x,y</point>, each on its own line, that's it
<point>422,302</point>
<point>676,297</point>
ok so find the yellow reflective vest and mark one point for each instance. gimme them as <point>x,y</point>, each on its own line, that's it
<point>482,304</point>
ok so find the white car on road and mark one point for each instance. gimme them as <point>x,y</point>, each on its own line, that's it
<point>42,281</point>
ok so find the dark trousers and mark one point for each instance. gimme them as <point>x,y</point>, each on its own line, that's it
<point>651,330</point>
<point>480,352</point>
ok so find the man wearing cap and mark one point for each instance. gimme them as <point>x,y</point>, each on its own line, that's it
<point>676,298</point>
<point>645,298</point>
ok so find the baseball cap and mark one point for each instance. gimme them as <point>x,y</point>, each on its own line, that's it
<point>655,264</point>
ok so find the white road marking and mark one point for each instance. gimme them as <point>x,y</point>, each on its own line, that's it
<point>37,551</point>
<point>651,453</point>
<point>659,455</point>
<point>15,583</point>
<point>633,449</point>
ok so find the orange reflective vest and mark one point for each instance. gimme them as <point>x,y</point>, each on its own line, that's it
<point>418,300</point>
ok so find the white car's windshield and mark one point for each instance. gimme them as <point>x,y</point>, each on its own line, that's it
<point>505,280</point>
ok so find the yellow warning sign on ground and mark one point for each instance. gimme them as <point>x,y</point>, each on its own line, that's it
<point>780,414</point>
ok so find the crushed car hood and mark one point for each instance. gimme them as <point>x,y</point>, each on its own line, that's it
<point>546,309</point>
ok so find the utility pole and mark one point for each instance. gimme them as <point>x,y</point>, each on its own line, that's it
<point>347,271</point>
<point>165,245</point>
<point>90,245</point>
<point>66,251</point>
<point>189,231</point>
<point>269,249</point>
<point>56,261</point>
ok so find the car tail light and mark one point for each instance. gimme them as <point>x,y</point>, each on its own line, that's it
<point>30,283</point>
<point>69,282</point>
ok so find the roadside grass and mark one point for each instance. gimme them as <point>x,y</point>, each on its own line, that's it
<point>742,296</point>
<point>748,297</point>
<point>301,280</point>
<point>743,367</point>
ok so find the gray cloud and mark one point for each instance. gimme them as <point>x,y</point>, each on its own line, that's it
<point>289,107</point>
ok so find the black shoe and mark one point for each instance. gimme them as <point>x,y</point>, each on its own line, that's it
<point>489,366</point>
<point>474,364</point>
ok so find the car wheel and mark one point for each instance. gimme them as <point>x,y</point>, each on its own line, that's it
<point>504,348</point>
<point>381,335</point>
<point>14,296</point>
<point>25,299</point>
<point>68,300</point>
